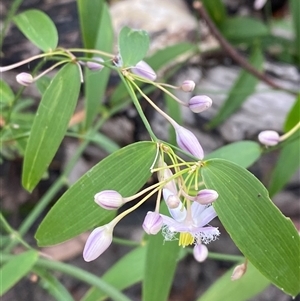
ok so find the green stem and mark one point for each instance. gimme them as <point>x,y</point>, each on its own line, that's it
<point>78,273</point>
<point>14,7</point>
<point>138,107</point>
<point>225,257</point>
<point>61,181</point>
<point>126,242</point>
<point>13,234</point>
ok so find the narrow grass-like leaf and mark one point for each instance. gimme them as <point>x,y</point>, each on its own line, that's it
<point>243,28</point>
<point>167,55</point>
<point>173,109</point>
<point>243,87</point>
<point>50,124</point>
<point>295,11</point>
<point>15,269</point>
<point>96,81</point>
<point>133,45</point>
<point>262,233</point>
<point>53,286</point>
<point>286,166</point>
<point>160,266</point>
<point>126,171</point>
<point>38,28</point>
<point>293,116</point>
<point>122,274</point>
<point>243,289</point>
<point>243,153</point>
<point>6,94</point>
<point>89,15</point>
<point>216,10</point>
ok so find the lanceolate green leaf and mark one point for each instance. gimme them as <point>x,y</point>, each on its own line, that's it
<point>38,28</point>
<point>50,124</point>
<point>243,87</point>
<point>122,274</point>
<point>15,269</point>
<point>248,286</point>
<point>96,81</point>
<point>263,234</point>
<point>133,45</point>
<point>243,153</point>
<point>126,171</point>
<point>160,266</point>
<point>89,12</point>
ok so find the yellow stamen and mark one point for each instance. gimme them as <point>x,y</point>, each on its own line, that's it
<point>185,239</point>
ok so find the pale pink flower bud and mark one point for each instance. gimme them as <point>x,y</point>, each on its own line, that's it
<point>24,78</point>
<point>239,271</point>
<point>95,66</point>
<point>142,69</point>
<point>200,103</point>
<point>188,86</point>
<point>109,199</point>
<point>152,223</point>
<point>259,4</point>
<point>187,141</point>
<point>268,138</point>
<point>206,196</point>
<point>200,252</point>
<point>98,241</point>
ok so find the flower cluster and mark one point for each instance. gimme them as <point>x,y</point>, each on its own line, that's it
<point>189,204</point>
<point>187,200</point>
<point>179,184</point>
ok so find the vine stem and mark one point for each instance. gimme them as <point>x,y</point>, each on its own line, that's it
<point>232,52</point>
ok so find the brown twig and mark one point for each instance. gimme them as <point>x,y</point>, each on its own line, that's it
<point>230,50</point>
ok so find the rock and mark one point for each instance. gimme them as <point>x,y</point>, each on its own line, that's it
<point>167,22</point>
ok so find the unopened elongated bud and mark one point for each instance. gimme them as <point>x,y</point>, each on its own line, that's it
<point>98,241</point>
<point>24,78</point>
<point>200,252</point>
<point>187,141</point>
<point>152,223</point>
<point>109,199</point>
<point>206,196</point>
<point>95,66</point>
<point>188,86</point>
<point>142,69</point>
<point>200,103</point>
<point>269,138</point>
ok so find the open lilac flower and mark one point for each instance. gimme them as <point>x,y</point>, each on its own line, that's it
<point>192,228</point>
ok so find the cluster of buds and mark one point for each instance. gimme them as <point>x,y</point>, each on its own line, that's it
<point>189,204</point>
